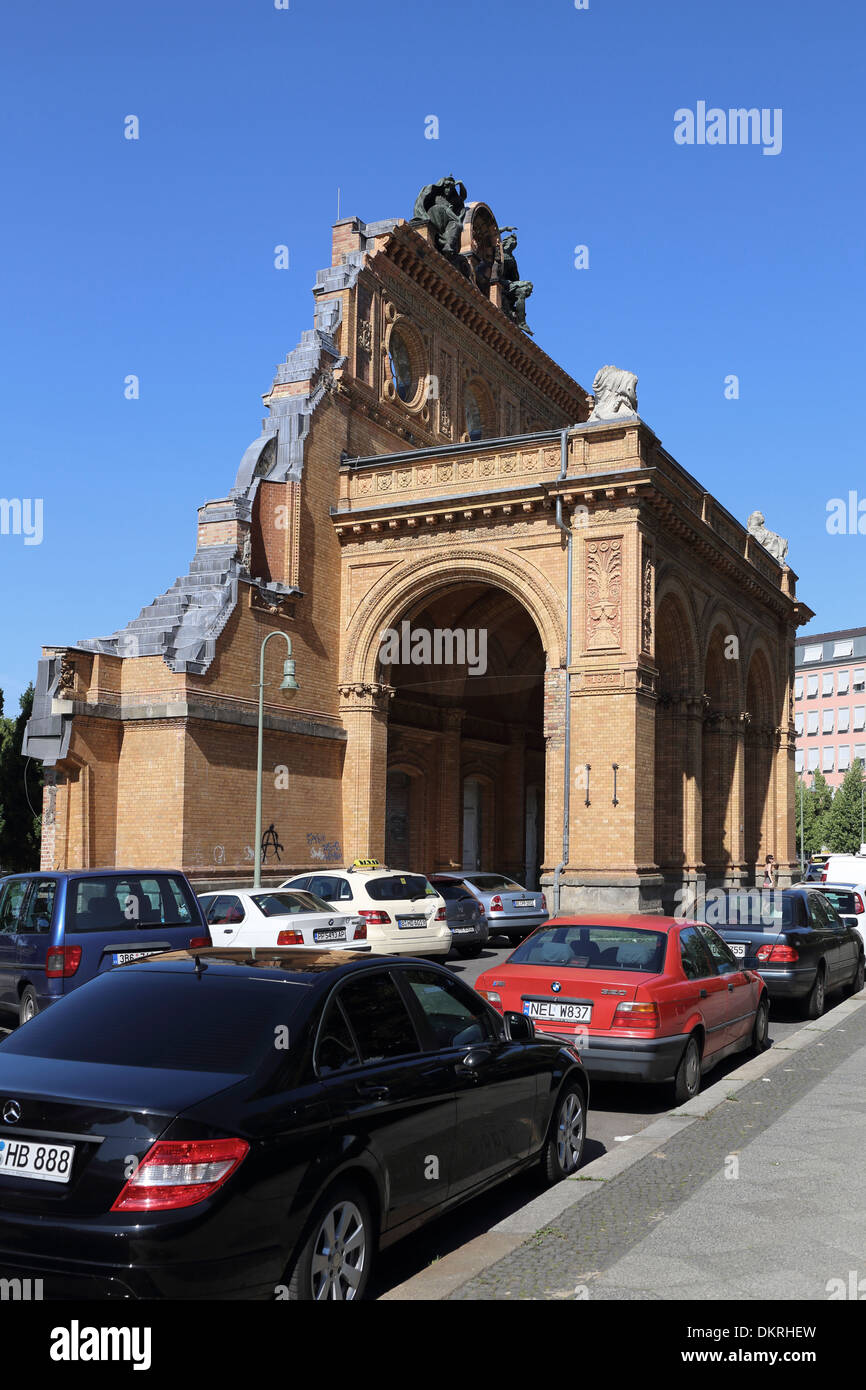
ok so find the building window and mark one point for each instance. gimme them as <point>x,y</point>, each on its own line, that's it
<point>859,680</point>
<point>799,760</point>
<point>842,682</point>
<point>812,726</point>
<point>859,717</point>
<point>813,653</point>
<point>827,722</point>
<point>474,426</point>
<point>828,760</point>
<point>827,683</point>
<point>860,751</point>
<point>401,366</point>
<point>844,716</point>
<point>813,759</point>
<point>843,648</point>
<point>798,687</point>
<point>812,687</point>
<point>844,757</point>
<point>798,723</point>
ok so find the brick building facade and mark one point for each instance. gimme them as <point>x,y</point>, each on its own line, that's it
<point>424,462</point>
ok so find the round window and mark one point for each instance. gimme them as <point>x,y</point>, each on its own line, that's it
<point>400,363</point>
<point>473,415</point>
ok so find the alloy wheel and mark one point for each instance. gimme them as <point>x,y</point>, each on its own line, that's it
<point>569,1133</point>
<point>339,1254</point>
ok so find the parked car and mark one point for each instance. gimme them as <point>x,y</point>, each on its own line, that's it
<point>404,913</point>
<point>58,930</point>
<point>166,1147</point>
<point>464,912</point>
<point>510,910</point>
<point>846,868</point>
<point>643,998</point>
<point>794,938</point>
<point>815,868</point>
<point>849,900</point>
<point>278,917</point>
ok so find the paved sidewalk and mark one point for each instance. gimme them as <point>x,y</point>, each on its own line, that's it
<point>763,1197</point>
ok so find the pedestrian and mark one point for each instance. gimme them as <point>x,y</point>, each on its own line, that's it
<point>770,872</point>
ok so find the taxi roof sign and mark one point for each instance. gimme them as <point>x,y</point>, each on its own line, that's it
<point>366,864</point>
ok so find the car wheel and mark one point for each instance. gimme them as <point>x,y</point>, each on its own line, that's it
<point>860,978</point>
<point>817,998</point>
<point>334,1261</point>
<point>28,1006</point>
<point>469,952</point>
<point>687,1082</point>
<point>760,1032</point>
<point>563,1153</point>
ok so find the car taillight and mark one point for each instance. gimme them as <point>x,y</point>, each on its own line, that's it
<point>198,943</point>
<point>290,938</point>
<point>496,903</point>
<point>544,901</point>
<point>62,961</point>
<point>440,915</point>
<point>492,997</point>
<point>360,931</point>
<point>858,903</point>
<point>180,1173</point>
<point>823,878</point>
<point>777,953</point>
<point>637,1016</point>
<point>378,919</point>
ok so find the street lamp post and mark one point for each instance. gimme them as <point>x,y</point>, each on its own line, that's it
<point>287,683</point>
<point>802,850</point>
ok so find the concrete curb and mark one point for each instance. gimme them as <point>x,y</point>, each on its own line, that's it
<point>444,1276</point>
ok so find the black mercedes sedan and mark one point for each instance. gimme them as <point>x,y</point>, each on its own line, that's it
<point>239,1124</point>
<point>794,938</point>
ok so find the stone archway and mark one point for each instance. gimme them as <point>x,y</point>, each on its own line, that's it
<point>760,744</point>
<point>677,740</point>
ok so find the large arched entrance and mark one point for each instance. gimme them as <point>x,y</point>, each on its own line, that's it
<point>465,742</point>
<point>761,742</point>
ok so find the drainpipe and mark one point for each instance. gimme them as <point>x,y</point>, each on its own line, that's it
<point>566,802</point>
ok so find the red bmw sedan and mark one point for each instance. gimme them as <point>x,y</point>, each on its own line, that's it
<point>643,998</point>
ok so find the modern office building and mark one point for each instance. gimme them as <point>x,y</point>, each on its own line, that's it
<point>830,702</point>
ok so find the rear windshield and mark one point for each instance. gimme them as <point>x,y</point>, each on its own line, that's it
<point>162,1019</point>
<point>289,904</point>
<point>495,883</point>
<point>594,948</point>
<point>750,907</point>
<point>113,903</point>
<point>397,887</point>
<point>842,900</point>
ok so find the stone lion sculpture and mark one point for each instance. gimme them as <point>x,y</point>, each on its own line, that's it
<point>615,393</point>
<point>777,545</point>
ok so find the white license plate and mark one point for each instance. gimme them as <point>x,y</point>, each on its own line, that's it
<point>411,923</point>
<point>28,1158</point>
<point>324,934</point>
<point>558,1010</point>
<point>738,948</point>
<point>454,929</point>
<point>121,957</point>
<point>524,902</point>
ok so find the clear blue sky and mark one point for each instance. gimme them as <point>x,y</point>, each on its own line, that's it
<point>155,257</point>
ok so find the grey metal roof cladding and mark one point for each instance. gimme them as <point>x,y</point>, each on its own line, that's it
<point>826,641</point>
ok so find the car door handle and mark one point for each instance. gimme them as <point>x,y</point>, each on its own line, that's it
<point>730,989</point>
<point>475,1057</point>
<point>227,931</point>
<point>372,1092</point>
<point>702,994</point>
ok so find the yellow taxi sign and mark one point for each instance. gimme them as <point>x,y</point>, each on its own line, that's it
<point>365,864</point>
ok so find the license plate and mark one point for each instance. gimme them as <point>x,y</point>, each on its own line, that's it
<point>558,1010</point>
<point>738,948</point>
<point>27,1158</point>
<point>121,957</point>
<point>524,902</point>
<point>411,923</point>
<point>454,929</point>
<point>329,934</point>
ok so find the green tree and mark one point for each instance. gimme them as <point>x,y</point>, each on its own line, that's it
<point>20,793</point>
<point>817,804</point>
<point>844,827</point>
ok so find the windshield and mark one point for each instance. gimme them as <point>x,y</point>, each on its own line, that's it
<point>841,898</point>
<point>593,948</point>
<point>495,883</point>
<point>748,907</point>
<point>289,904</point>
<point>115,903</point>
<point>398,887</point>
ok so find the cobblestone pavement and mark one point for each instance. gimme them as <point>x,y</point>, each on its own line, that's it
<point>791,1202</point>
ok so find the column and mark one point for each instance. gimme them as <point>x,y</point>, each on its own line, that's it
<point>364,710</point>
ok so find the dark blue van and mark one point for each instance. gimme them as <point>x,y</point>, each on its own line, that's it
<point>58,930</point>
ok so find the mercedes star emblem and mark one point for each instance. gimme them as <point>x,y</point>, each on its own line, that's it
<point>11,1112</point>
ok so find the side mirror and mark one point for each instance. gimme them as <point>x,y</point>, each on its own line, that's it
<point>518,1027</point>
<point>851,922</point>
